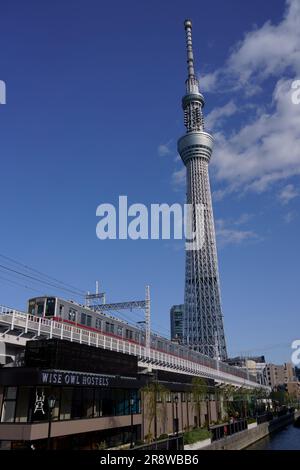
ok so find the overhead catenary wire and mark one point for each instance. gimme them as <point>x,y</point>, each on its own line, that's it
<point>39,280</point>
<point>29,268</point>
<point>20,285</point>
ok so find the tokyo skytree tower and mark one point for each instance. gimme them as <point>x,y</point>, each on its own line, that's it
<point>202,320</point>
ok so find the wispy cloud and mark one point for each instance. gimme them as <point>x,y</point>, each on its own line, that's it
<point>165,149</point>
<point>290,216</point>
<point>288,193</point>
<point>266,149</point>
<point>263,52</point>
<point>228,234</point>
<point>216,117</point>
<point>179,178</point>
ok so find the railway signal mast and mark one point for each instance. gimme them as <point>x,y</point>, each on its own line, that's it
<point>129,305</point>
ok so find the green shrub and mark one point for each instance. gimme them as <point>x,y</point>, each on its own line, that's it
<point>163,436</point>
<point>102,445</point>
<point>251,420</point>
<point>198,434</point>
<point>139,442</point>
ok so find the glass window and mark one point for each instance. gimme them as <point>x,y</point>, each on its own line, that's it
<point>8,411</point>
<point>40,309</point>
<point>31,307</point>
<point>89,320</point>
<point>66,403</point>
<point>83,318</point>
<point>98,323</point>
<point>10,393</point>
<point>128,334</point>
<point>50,307</point>
<point>22,404</point>
<point>98,403</point>
<point>88,403</point>
<point>107,403</point>
<point>76,411</point>
<point>72,314</point>
<point>120,331</point>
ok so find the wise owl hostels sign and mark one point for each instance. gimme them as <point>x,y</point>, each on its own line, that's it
<point>74,378</point>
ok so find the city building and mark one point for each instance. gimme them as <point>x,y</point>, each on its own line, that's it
<point>203,321</point>
<point>279,375</point>
<point>254,365</point>
<point>176,321</point>
<point>97,399</point>
<point>293,389</point>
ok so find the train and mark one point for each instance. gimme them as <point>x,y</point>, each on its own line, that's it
<point>73,313</point>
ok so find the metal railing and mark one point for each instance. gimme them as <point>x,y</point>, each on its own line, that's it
<point>172,443</point>
<point>227,429</point>
<point>40,326</point>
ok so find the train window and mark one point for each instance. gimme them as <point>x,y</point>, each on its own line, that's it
<point>72,314</point>
<point>40,309</point>
<point>61,310</point>
<point>83,318</point>
<point>89,320</point>
<point>98,323</point>
<point>136,336</point>
<point>31,307</point>
<point>109,327</point>
<point>120,331</point>
<point>50,307</point>
<point>128,334</point>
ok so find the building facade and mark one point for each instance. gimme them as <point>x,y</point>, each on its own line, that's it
<point>255,366</point>
<point>279,375</point>
<point>203,321</point>
<point>176,322</point>
<point>102,402</point>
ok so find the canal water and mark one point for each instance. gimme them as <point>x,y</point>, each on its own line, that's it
<point>286,439</point>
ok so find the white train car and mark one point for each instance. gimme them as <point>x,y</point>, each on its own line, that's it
<point>76,314</point>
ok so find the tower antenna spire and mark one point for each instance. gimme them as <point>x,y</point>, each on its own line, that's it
<point>189,47</point>
<point>202,318</point>
<point>192,84</point>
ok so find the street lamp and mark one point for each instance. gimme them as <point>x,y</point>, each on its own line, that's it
<point>51,405</point>
<point>131,413</point>
<point>176,405</point>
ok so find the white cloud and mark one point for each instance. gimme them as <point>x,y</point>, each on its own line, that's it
<point>208,82</point>
<point>164,149</point>
<point>227,234</point>
<point>264,151</point>
<point>179,177</point>
<point>216,117</point>
<point>288,193</point>
<point>263,52</point>
<point>243,218</point>
<point>289,217</point>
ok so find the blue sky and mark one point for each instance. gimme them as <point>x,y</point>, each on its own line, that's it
<point>94,111</point>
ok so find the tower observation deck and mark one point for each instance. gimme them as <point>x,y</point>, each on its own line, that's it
<point>203,322</point>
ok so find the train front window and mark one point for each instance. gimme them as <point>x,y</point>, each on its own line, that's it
<point>36,307</point>
<point>50,307</point>
<point>31,307</point>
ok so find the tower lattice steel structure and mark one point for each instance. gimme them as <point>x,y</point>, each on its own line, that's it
<point>203,321</point>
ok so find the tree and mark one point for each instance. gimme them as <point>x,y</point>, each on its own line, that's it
<point>199,393</point>
<point>151,393</point>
